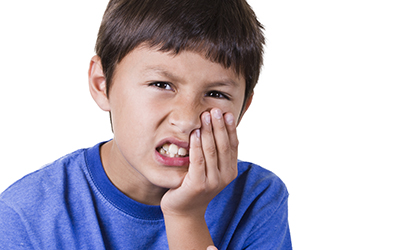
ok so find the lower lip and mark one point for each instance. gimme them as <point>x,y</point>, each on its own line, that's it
<point>173,162</point>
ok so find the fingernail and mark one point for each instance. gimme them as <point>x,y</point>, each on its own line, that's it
<point>229,119</point>
<point>217,113</point>
<point>197,133</point>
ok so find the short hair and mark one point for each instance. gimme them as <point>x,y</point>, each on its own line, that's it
<point>226,31</point>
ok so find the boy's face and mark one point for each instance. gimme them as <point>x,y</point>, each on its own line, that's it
<point>157,99</point>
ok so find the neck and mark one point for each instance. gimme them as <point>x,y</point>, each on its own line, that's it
<point>124,177</point>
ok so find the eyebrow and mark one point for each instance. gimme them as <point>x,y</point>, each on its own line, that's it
<point>226,82</point>
<point>166,73</point>
<point>161,71</point>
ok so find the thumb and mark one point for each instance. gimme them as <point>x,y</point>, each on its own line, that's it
<point>212,248</point>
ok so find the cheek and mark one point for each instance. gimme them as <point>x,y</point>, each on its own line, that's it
<point>235,109</point>
<point>137,123</point>
<point>126,117</point>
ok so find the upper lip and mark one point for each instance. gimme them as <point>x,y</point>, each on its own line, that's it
<point>173,140</point>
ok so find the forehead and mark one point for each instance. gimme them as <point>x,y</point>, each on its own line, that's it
<point>186,65</point>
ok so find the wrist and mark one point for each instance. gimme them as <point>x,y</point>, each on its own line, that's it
<point>187,231</point>
<point>187,212</point>
<point>184,217</point>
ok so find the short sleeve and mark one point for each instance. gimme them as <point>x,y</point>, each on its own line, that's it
<point>271,232</point>
<point>13,234</point>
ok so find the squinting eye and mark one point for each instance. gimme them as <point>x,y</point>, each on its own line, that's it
<point>162,85</point>
<point>217,94</point>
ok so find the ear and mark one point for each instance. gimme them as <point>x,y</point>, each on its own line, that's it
<point>97,84</point>
<point>245,107</point>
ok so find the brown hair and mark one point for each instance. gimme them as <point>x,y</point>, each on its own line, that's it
<point>227,31</point>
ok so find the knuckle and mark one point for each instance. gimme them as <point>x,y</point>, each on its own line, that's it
<point>199,160</point>
<point>235,143</point>
<point>200,188</point>
<point>211,150</point>
<point>234,173</point>
<point>225,149</point>
<point>231,174</point>
<point>214,186</point>
<point>229,179</point>
<point>220,125</point>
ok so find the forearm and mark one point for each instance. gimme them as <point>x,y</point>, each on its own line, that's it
<point>187,232</point>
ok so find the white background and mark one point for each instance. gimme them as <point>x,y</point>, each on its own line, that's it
<point>325,117</point>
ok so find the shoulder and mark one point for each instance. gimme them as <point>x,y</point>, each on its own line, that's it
<point>44,203</point>
<point>254,190</point>
<point>264,221</point>
<point>261,189</point>
<point>251,212</point>
<point>262,194</point>
<point>259,179</point>
<point>50,180</point>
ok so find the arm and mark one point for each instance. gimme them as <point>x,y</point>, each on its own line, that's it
<point>13,234</point>
<point>213,165</point>
<point>272,231</point>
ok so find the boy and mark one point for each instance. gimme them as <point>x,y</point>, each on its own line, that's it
<point>176,77</point>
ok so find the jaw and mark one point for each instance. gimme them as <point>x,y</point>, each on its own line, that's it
<point>145,185</point>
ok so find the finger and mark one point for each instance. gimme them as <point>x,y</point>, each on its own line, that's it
<point>232,134</point>
<point>221,136</point>
<point>233,139</point>
<point>209,149</point>
<point>196,170</point>
<point>226,152</point>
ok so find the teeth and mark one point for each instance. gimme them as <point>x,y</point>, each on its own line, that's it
<point>172,150</point>
<point>182,151</point>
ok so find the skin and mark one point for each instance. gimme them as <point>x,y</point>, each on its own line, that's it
<point>187,99</point>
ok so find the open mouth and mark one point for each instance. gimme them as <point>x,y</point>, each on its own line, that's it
<point>171,150</point>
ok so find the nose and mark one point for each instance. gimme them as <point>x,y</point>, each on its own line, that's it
<point>185,116</point>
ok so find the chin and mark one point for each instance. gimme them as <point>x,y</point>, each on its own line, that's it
<point>170,180</point>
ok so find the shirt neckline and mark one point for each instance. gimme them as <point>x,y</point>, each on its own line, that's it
<point>112,194</point>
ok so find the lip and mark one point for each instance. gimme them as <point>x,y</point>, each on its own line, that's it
<point>179,143</point>
<point>175,161</point>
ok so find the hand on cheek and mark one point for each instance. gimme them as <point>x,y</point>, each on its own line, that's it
<point>213,165</point>
<point>219,148</point>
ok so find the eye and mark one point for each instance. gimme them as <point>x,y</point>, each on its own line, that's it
<point>218,95</point>
<point>162,85</point>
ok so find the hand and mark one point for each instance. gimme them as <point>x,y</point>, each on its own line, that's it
<point>213,165</point>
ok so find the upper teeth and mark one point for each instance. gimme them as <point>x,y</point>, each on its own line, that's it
<point>172,150</point>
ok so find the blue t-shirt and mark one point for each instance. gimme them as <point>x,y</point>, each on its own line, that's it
<point>71,204</point>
